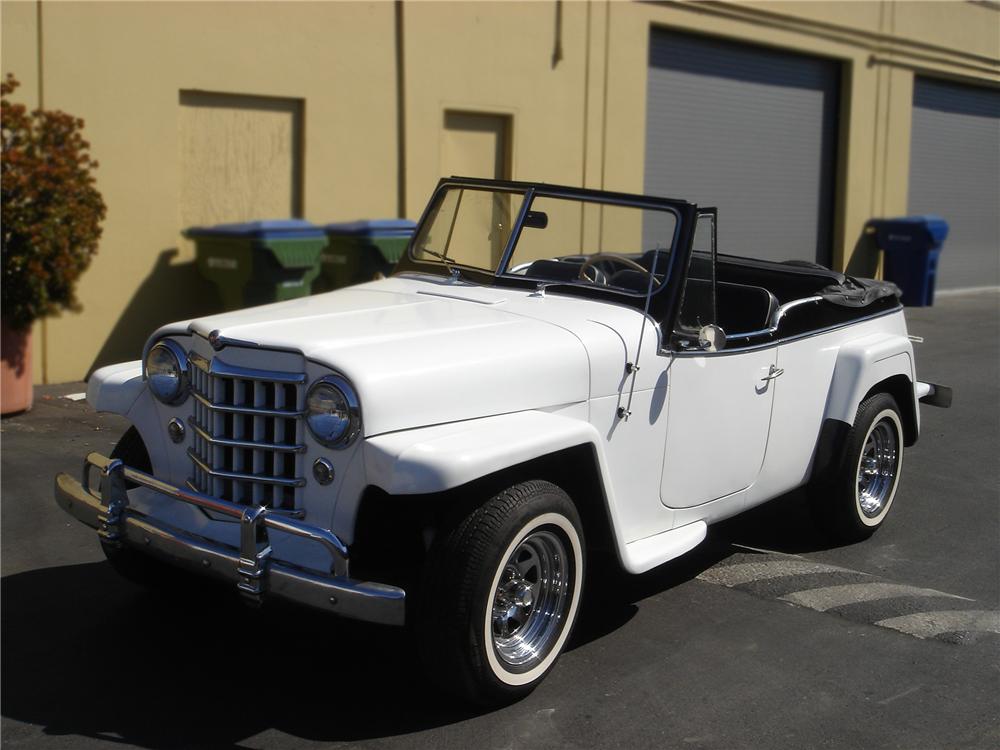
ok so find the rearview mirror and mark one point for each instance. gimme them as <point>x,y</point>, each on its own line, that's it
<point>536,219</point>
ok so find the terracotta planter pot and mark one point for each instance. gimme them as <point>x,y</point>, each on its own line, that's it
<point>15,373</point>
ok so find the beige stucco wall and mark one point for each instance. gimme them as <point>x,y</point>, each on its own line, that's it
<point>121,66</point>
<point>578,119</point>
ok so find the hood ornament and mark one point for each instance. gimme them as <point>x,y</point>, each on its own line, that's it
<point>218,341</point>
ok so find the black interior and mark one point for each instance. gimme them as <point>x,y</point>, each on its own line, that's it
<point>748,293</point>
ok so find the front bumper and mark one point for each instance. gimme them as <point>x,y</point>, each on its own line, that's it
<point>250,567</point>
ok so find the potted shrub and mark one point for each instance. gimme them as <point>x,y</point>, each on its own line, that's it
<point>51,223</point>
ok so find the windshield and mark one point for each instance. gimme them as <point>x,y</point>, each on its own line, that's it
<point>562,239</point>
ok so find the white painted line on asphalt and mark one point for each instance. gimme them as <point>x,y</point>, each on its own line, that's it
<point>897,696</point>
<point>965,290</point>
<point>931,624</point>
<point>830,597</point>
<point>765,551</point>
<point>75,396</point>
<point>737,575</point>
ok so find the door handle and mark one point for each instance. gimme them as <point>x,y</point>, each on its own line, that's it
<point>774,372</point>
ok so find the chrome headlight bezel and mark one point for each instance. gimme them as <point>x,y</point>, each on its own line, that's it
<point>182,387</point>
<point>352,428</point>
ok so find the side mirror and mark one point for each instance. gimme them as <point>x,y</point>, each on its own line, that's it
<point>711,338</point>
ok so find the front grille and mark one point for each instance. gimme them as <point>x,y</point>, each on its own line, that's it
<point>246,434</point>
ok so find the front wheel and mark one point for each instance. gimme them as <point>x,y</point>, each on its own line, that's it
<point>858,495</point>
<point>501,594</point>
<point>130,564</point>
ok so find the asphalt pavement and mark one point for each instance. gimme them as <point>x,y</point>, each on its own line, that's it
<point>761,637</point>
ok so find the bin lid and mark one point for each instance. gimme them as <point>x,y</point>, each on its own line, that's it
<point>935,227</point>
<point>274,229</point>
<point>369,227</point>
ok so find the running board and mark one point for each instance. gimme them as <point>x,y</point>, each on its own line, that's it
<point>645,554</point>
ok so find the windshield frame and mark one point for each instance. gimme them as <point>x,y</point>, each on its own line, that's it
<point>667,293</point>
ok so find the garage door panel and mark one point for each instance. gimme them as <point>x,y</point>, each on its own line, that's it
<point>955,172</point>
<point>750,130</point>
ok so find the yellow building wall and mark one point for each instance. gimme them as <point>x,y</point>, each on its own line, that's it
<point>570,79</point>
<point>122,66</point>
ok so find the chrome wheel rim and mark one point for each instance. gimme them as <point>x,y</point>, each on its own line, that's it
<point>877,468</point>
<point>530,600</point>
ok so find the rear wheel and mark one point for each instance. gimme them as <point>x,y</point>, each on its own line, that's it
<point>857,496</point>
<point>501,593</point>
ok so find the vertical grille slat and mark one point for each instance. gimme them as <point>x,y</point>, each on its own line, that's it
<point>246,431</point>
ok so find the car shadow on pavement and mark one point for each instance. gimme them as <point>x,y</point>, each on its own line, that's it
<point>611,598</point>
<point>86,654</point>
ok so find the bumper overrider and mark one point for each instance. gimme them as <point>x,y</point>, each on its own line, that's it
<point>250,567</point>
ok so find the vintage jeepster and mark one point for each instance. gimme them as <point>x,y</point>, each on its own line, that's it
<point>549,372</point>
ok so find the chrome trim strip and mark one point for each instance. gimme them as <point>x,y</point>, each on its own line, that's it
<point>797,337</point>
<point>248,444</point>
<point>225,370</point>
<point>776,318</point>
<point>299,482</point>
<point>259,412</point>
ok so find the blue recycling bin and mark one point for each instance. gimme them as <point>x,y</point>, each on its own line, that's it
<point>912,247</point>
<point>360,251</point>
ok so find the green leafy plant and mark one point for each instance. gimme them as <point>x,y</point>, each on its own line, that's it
<point>52,211</point>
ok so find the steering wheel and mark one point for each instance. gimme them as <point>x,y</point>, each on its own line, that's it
<point>611,257</point>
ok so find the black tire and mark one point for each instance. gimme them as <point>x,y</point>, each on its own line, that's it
<point>489,561</point>
<point>130,564</point>
<point>855,497</point>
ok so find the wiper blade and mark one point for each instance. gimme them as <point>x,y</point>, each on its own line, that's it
<point>448,261</point>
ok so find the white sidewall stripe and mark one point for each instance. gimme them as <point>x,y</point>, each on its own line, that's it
<point>523,678</point>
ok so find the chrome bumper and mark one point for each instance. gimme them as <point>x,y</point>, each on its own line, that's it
<point>250,567</point>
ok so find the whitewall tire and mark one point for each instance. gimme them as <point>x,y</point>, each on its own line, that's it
<point>501,594</point>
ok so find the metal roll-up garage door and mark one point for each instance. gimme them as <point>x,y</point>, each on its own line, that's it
<point>955,173</point>
<point>748,129</point>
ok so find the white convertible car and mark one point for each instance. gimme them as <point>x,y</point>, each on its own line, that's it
<point>549,370</point>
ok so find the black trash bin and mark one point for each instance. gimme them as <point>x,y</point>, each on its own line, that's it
<point>260,261</point>
<point>360,251</point>
<point>912,247</point>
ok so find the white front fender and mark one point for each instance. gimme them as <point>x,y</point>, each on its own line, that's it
<point>115,388</point>
<point>438,458</point>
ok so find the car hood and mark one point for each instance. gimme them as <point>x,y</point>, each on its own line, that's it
<point>420,353</point>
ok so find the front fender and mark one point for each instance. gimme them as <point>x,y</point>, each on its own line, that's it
<point>115,388</point>
<point>442,457</point>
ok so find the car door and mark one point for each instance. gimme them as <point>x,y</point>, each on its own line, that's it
<point>719,401</point>
<point>717,423</point>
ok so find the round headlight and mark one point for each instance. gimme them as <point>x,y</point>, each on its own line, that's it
<point>167,372</point>
<point>332,412</point>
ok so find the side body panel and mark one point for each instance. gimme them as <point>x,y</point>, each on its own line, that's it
<point>826,376</point>
<point>720,409</point>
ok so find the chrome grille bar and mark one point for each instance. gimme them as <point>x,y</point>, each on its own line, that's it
<point>247,433</point>
<point>262,479</point>
<point>255,411</point>
<point>249,444</point>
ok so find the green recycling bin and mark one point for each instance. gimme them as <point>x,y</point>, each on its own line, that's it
<point>259,262</point>
<point>360,251</point>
